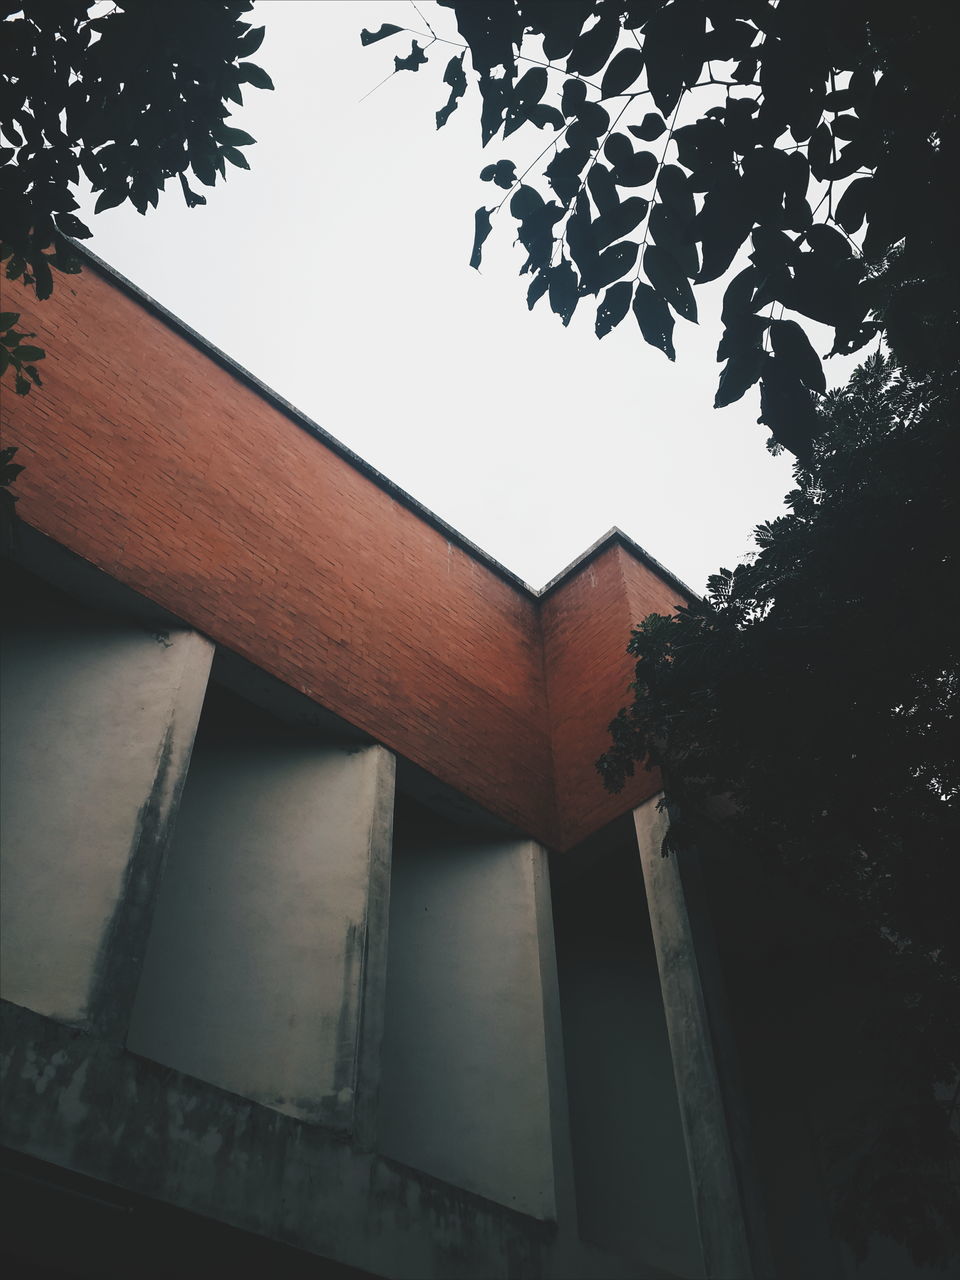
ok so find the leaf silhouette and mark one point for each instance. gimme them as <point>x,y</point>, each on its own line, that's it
<point>654,318</point>
<point>482,230</point>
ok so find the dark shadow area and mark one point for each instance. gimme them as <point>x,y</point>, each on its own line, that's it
<point>60,1225</point>
<point>633,1187</point>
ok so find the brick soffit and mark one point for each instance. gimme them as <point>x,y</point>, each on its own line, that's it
<point>613,535</point>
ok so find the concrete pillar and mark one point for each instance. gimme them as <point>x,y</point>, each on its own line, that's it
<point>98,722</point>
<point>718,1198</point>
<point>466,1085</point>
<point>265,966</point>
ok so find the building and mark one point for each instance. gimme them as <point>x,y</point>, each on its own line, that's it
<point>324,951</point>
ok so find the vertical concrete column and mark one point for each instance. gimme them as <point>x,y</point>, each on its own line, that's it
<point>471,1065</point>
<point>265,967</point>
<point>717,1195</point>
<point>98,723</point>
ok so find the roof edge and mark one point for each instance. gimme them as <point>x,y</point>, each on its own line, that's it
<point>301,420</point>
<point>390,487</point>
<point>616,536</point>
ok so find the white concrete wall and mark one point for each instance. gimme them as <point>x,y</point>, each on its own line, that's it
<point>465,1089</point>
<point>257,971</point>
<point>98,721</point>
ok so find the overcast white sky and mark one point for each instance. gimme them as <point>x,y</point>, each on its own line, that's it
<point>336,272</point>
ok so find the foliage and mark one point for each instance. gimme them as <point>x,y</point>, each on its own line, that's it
<point>128,96</point>
<point>816,689</point>
<point>803,141</point>
<point>9,470</point>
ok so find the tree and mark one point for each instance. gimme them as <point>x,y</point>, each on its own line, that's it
<point>805,150</point>
<point>128,99</point>
<point>816,689</point>
<point>825,135</point>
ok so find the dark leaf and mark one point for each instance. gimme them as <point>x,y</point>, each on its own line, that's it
<point>621,73</point>
<point>852,207</point>
<point>593,118</point>
<point>728,41</point>
<point>640,169</point>
<point>581,242</point>
<point>72,226</point>
<point>846,127</point>
<point>43,278</point>
<point>722,225</point>
<point>251,41</point>
<point>502,174</point>
<point>792,348</point>
<point>494,103</point>
<point>820,152</point>
<point>828,241</point>
<point>234,137</point>
<point>705,147</point>
<point>741,371</point>
<point>190,196</point>
<point>838,100</point>
<point>482,230</point>
<point>531,86</point>
<point>615,305</point>
<point>110,198</point>
<point>573,97</point>
<point>650,127</point>
<point>250,73</point>
<point>673,46</point>
<point>654,318</point>
<point>535,232</point>
<point>414,60</point>
<point>525,201</point>
<point>563,171</point>
<point>544,116</point>
<point>851,158</point>
<point>538,287</point>
<point>619,221</point>
<point>593,48</point>
<point>773,250</point>
<point>671,235</point>
<point>738,295</point>
<point>617,149</point>
<point>614,263</point>
<point>565,24</point>
<point>603,188</point>
<point>675,191</point>
<point>8,319</point>
<point>455,78</point>
<point>236,157</point>
<point>30,353</point>
<point>667,277</point>
<point>564,292</point>
<point>745,71</point>
<point>370,37</point>
<point>786,407</point>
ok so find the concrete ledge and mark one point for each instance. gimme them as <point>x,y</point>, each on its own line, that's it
<point>90,1107</point>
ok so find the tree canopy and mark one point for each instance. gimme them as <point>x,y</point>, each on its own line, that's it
<point>804,153</point>
<point>126,99</point>
<point>805,143</point>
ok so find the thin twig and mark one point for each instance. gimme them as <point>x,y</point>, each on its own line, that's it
<point>423,20</point>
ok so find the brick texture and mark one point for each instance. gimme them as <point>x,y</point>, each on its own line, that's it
<point>151,460</point>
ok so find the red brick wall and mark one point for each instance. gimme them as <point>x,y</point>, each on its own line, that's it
<point>170,473</point>
<point>586,624</point>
